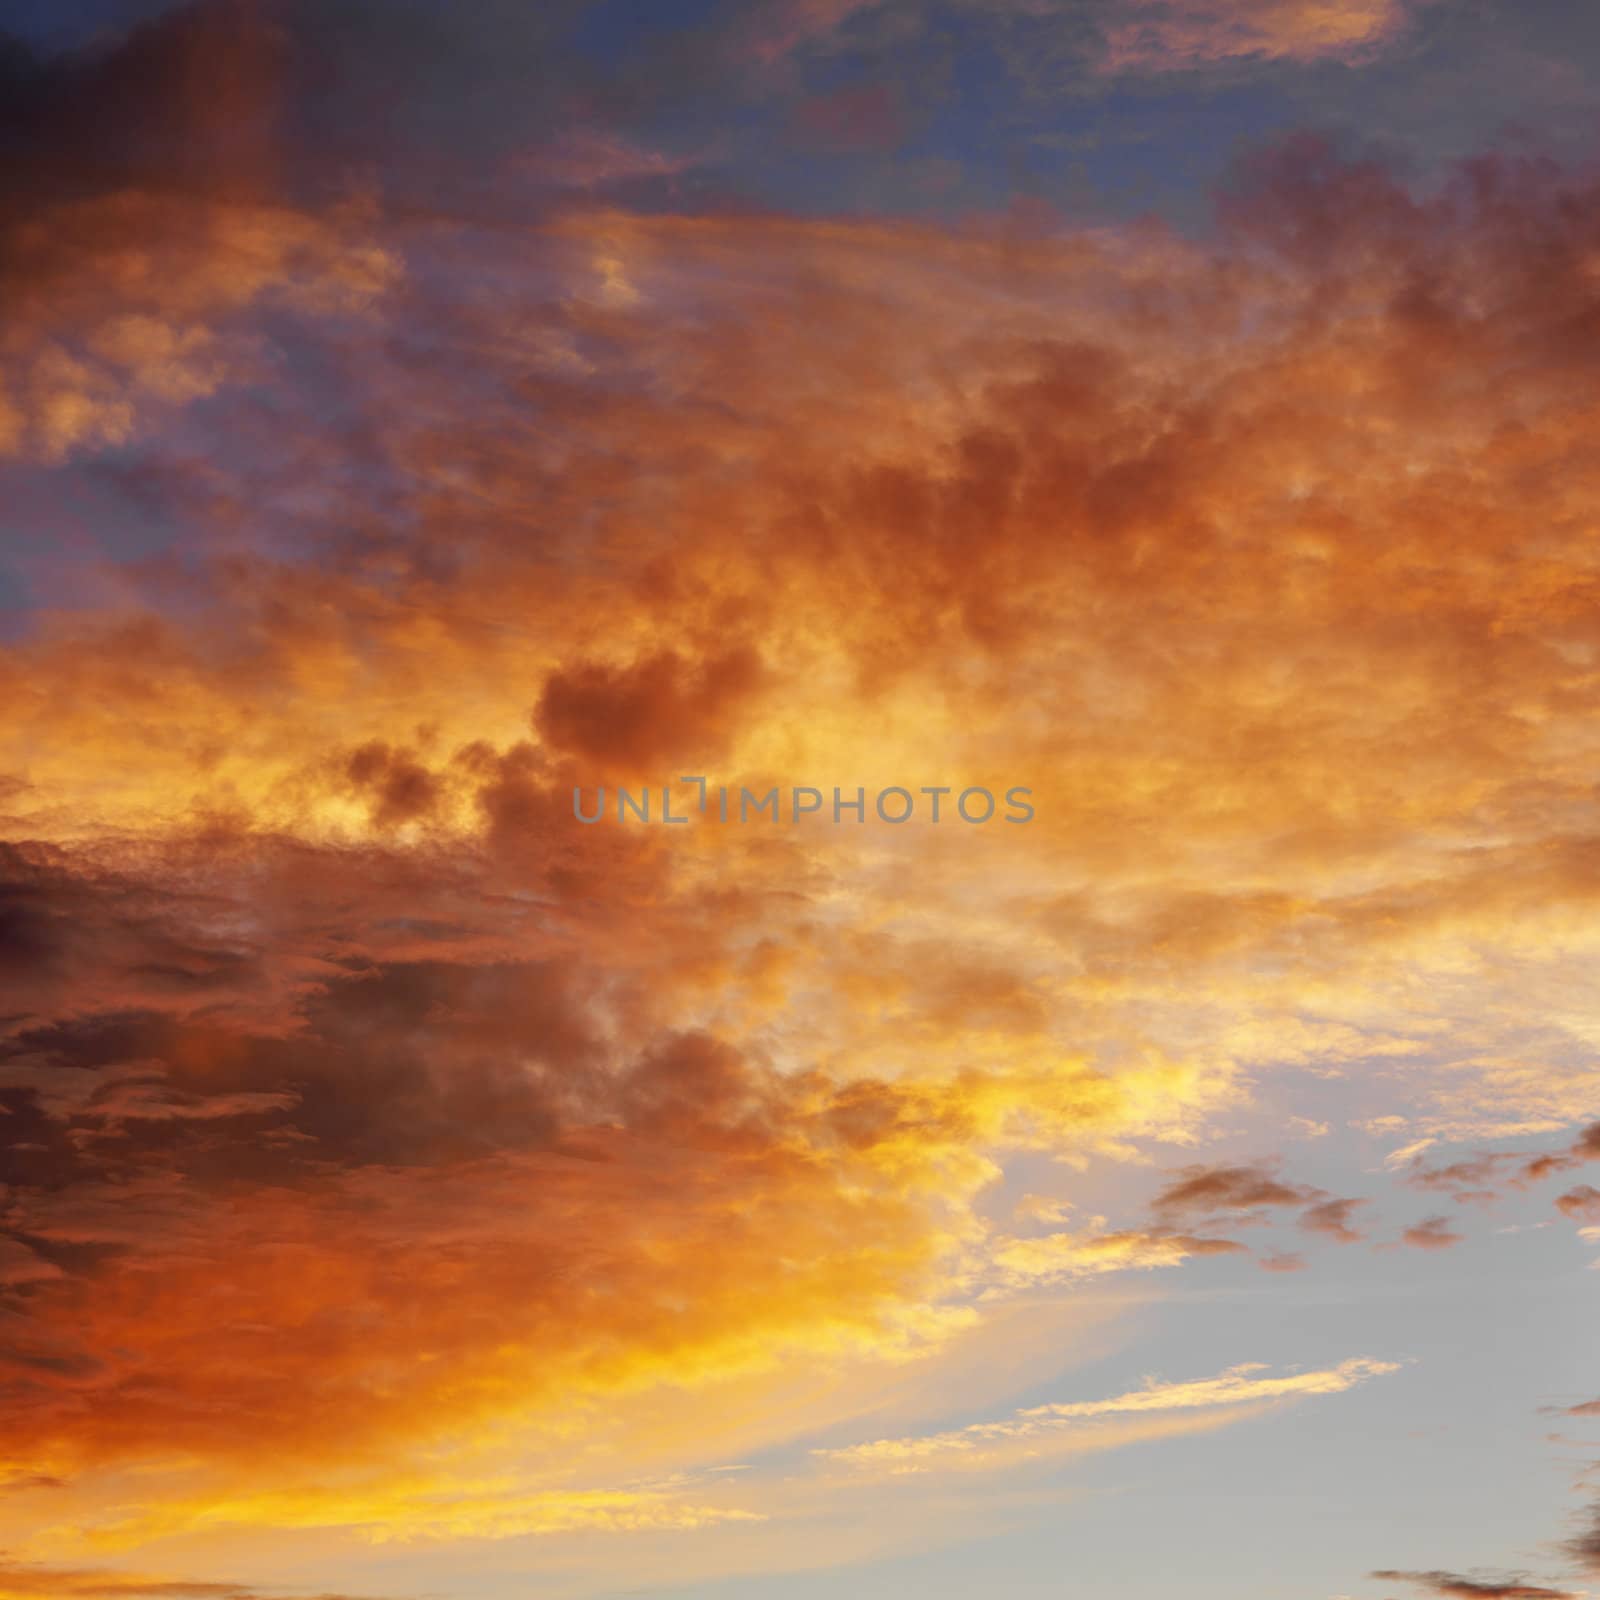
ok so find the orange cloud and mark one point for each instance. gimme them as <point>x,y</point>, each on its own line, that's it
<point>1432,1233</point>
<point>377,1127</point>
<point>147,219</point>
<point>26,1582</point>
<point>1170,35</point>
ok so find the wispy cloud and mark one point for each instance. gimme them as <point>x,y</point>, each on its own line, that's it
<point>1041,1429</point>
<point>1171,35</point>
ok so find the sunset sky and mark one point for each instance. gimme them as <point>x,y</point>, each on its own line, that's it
<point>413,412</point>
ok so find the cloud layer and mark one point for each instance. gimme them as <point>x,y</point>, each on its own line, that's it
<point>390,1155</point>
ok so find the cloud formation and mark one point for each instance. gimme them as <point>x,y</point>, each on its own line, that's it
<point>1041,1428</point>
<point>390,1156</point>
<point>21,1581</point>
<point>1458,1587</point>
<point>1173,35</point>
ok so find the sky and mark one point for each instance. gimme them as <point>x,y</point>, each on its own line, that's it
<point>798,798</point>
